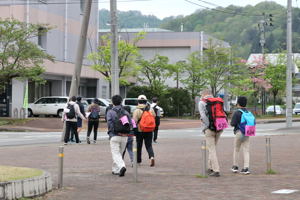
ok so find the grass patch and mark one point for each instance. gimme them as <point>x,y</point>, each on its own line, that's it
<point>271,171</point>
<point>201,176</point>
<point>8,121</point>
<point>8,173</point>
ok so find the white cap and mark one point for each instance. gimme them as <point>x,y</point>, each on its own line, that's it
<point>142,97</point>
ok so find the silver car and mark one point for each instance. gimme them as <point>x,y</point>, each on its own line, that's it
<point>296,109</point>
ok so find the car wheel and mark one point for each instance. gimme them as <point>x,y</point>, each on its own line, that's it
<point>30,114</point>
<point>59,113</point>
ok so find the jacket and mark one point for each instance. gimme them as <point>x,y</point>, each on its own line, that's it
<point>236,119</point>
<point>111,117</point>
<point>137,114</point>
<point>203,114</point>
<point>94,107</point>
<point>77,112</point>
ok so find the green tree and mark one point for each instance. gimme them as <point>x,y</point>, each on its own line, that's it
<point>19,57</point>
<point>275,74</point>
<point>155,72</point>
<point>127,56</point>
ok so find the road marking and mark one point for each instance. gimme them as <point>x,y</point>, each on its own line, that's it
<point>284,191</point>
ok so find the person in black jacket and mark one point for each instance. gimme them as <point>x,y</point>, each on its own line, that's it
<point>79,120</point>
<point>240,139</point>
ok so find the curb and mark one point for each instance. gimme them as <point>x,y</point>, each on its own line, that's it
<point>26,188</point>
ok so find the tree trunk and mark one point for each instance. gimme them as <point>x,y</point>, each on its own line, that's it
<point>274,103</point>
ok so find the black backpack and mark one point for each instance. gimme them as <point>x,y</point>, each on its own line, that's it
<point>94,114</point>
<point>119,127</point>
<point>71,114</point>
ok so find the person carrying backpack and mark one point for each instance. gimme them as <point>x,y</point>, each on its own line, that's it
<point>213,121</point>
<point>93,120</point>
<point>79,120</point>
<point>145,118</point>
<point>156,109</point>
<point>119,127</point>
<point>243,122</point>
<point>70,116</point>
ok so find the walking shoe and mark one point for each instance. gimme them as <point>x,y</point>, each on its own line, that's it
<point>122,171</point>
<point>215,174</point>
<point>235,169</point>
<point>209,171</point>
<point>152,162</point>
<point>94,141</point>
<point>88,140</point>
<point>65,143</point>
<point>245,171</point>
<point>115,173</point>
<point>154,141</point>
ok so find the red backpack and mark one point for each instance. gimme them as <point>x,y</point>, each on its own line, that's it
<point>147,122</point>
<point>216,114</point>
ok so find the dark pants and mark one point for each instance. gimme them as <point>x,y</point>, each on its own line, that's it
<point>129,148</point>
<point>140,136</point>
<point>71,127</point>
<point>157,122</point>
<point>93,124</point>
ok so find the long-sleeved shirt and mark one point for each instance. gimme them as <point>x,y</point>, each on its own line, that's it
<point>204,114</point>
<point>236,119</point>
<point>77,113</point>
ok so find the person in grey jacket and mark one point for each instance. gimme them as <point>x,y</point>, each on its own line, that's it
<point>117,140</point>
<point>71,124</point>
<point>211,137</point>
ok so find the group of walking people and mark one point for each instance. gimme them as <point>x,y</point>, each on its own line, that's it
<point>144,123</point>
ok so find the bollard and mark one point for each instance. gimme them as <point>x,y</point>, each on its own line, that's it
<point>268,153</point>
<point>204,158</point>
<point>60,166</point>
<point>135,159</point>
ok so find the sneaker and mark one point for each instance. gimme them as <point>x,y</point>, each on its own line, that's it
<point>235,169</point>
<point>88,140</point>
<point>245,171</point>
<point>94,142</point>
<point>152,162</point>
<point>215,174</point>
<point>154,141</point>
<point>115,173</point>
<point>65,143</point>
<point>122,171</point>
<point>209,171</point>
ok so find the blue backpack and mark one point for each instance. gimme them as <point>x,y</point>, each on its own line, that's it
<point>248,123</point>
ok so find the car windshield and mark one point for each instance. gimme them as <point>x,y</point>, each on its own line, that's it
<point>297,105</point>
<point>131,102</point>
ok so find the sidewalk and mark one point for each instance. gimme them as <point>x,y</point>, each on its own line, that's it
<point>87,171</point>
<point>56,125</point>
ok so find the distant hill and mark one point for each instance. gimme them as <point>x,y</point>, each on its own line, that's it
<point>236,25</point>
<point>129,19</point>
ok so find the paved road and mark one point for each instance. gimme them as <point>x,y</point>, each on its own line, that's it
<point>26,138</point>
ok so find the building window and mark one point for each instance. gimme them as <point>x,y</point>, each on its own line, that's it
<point>42,38</point>
<point>82,6</point>
<point>104,91</point>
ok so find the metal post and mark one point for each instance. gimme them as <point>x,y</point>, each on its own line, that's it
<point>60,166</point>
<point>115,88</point>
<point>289,84</point>
<point>204,158</point>
<point>268,153</point>
<point>135,159</point>
<point>80,50</point>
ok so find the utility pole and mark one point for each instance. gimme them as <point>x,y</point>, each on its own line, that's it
<point>115,88</point>
<point>289,94</point>
<point>80,50</point>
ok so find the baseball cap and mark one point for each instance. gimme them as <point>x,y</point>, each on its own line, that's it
<point>142,97</point>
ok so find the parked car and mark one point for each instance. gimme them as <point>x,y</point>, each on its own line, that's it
<point>133,102</point>
<point>48,106</point>
<point>278,110</point>
<point>296,109</point>
<point>103,103</point>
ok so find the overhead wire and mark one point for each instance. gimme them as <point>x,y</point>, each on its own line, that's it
<point>223,11</point>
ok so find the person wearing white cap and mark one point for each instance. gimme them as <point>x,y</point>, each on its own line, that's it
<point>140,135</point>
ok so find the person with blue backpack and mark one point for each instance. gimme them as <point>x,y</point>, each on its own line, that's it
<point>93,120</point>
<point>243,122</point>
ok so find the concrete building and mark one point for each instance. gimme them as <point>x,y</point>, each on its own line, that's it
<point>177,46</point>
<point>61,42</point>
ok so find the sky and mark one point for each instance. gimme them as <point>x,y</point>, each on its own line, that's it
<point>167,8</point>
